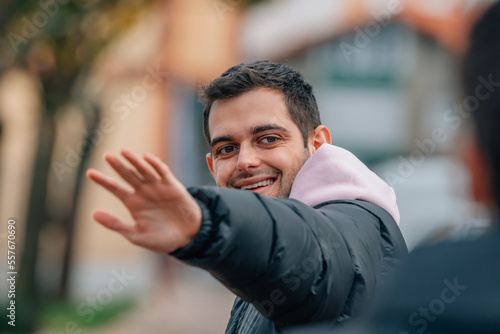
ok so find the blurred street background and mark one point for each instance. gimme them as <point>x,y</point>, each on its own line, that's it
<point>79,78</point>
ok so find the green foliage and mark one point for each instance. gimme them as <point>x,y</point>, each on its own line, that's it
<point>254,2</point>
<point>57,43</point>
<point>57,315</point>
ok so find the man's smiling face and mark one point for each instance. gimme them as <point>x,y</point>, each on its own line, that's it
<point>255,145</point>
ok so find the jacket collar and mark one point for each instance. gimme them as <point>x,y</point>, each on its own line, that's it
<point>333,173</point>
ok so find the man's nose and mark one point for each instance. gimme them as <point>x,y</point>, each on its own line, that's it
<point>247,158</point>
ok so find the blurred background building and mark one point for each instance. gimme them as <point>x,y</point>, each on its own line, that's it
<point>80,78</point>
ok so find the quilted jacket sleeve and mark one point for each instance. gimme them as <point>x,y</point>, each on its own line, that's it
<point>295,264</point>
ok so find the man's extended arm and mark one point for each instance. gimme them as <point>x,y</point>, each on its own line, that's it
<point>294,263</point>
<point>290,261</point>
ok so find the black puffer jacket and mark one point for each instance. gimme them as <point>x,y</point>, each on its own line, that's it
<point>289,263</point>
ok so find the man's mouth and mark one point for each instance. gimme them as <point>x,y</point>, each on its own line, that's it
<point>263,183</point>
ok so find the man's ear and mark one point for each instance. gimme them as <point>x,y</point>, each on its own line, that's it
<point>210,163</point>
<point>480,173</point>
<point>320,137</point>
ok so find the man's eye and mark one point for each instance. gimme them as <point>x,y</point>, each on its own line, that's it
<point>269,139</point>
<point>225,150</point>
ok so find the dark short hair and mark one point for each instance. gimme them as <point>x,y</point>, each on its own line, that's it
<point>482,63</point>
<point>239,79</point>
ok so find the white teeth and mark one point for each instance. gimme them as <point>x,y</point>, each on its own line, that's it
<point>260,184</point>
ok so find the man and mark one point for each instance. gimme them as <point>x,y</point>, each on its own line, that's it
<point>455,287</point>
<point>304,231</point>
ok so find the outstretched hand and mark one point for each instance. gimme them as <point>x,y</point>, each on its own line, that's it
<point>166,216</point>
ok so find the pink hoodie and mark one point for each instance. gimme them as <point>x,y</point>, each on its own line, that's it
<point>333,173</point>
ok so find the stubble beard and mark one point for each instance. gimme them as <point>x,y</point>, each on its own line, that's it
<point>285,187</point>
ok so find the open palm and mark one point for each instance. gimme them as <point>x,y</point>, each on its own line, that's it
<point>166,216</point>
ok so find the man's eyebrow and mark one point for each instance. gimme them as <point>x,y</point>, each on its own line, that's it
<point>262,128</point>
<point>219,139</point>
<point>254,131</point>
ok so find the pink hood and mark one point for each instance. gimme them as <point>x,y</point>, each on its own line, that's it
<point>333,173</point>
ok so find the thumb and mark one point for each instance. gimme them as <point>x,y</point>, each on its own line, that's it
<point>113,223</point>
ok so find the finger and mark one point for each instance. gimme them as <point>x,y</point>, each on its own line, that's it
<point>109,184</point>
<point>142,167</point>
<point>113,223</point>
<point>159,166</point>
<point>126,173</point>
